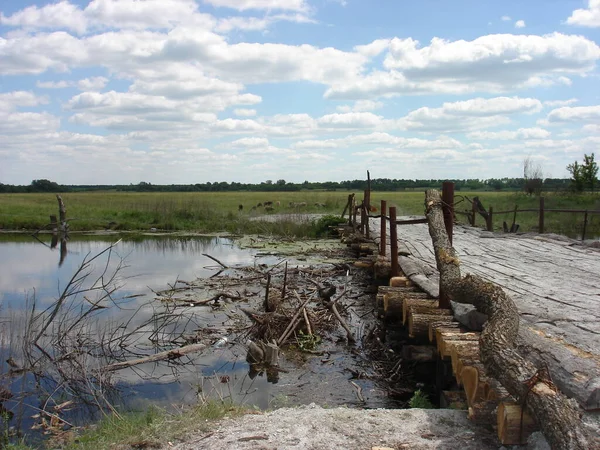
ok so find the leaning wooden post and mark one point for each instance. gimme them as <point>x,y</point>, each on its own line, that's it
<point>394,243</point>
<point>62,212</point>
<point>363,216</point>
<point>541,229</point>
<point>383,231</point>
<point>448,208</point>
<point>585,219</point>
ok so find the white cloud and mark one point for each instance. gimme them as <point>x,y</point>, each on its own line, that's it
<point>467,115</point>
<point>380,138</point>
<point>374,48</point>
<point>54,84</point>
<point>555,103</point>
<point>575,114</point>
<point>360,106</point>
<point>506,18</point>
<point>243,112</point>
<point>249,142</point>
<point>351,120</point>
<point>62,15</point>
<point>243,5</point>
<point>521,133</point>
<point>11,100</point>
<point>589,17</point>
<point>492,63</point>
<point>520,24</point>
<point>92,84</point>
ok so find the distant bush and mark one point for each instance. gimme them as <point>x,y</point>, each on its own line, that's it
<point>324,224</point>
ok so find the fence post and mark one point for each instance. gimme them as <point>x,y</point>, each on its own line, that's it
<point>393,242</point>
<point>367,208</point>
<point>383,231</point>
<point>448,207</point>
<point>541,225</point>
<point>490,220</point>
<point>585,217</point>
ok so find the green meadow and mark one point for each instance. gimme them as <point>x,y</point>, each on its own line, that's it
<point>208,212</point>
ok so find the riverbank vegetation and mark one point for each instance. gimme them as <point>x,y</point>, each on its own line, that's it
<point>236,212</point>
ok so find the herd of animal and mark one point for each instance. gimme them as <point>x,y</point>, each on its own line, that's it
<point>270,205</point>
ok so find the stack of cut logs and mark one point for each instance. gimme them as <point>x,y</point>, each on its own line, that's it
<point>487,401</point>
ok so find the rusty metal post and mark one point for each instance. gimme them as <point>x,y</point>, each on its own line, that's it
<point>383,231</point>
<point>394,242</point>
<point>541,225</point>
<point>448,207</point>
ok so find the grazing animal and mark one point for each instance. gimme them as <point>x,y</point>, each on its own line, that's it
<point>321,205</point>
<point>278,203</point>
<point>240,207</point>
<point>268,203</point>
<point>259,205</point>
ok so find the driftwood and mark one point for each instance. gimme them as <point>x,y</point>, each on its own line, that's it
<point>559,417</point>
<point>168,354</point>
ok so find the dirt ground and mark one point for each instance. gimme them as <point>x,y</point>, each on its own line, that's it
<point>311,427</point>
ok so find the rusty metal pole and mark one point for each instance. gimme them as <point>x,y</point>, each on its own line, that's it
<point>383,231</point>
<point>448,207</point>
<point>394,242</point>
<point>541,225</point>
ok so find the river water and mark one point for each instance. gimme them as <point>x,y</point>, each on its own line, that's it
<point>32,272</point>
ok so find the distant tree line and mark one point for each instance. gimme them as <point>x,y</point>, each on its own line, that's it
<point>378,184</point>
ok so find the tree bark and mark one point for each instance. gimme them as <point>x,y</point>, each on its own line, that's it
<point>559,417</point>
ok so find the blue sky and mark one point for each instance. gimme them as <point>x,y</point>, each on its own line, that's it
<point>184,91</point>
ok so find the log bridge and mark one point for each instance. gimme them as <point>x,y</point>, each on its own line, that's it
<point>536,364</point>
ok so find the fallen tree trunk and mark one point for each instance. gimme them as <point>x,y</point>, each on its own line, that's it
<point>169,354</point>
<point>559,417</point>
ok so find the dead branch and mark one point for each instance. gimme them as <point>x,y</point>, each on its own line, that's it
<point>215,260</point>
<point>168,354</point>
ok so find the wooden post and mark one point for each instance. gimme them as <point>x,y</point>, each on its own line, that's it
<point>62,212</point>
<point>489,222</point>
<point>383,228</point>
<point>541,226</point>
<point>585,218</point>
<point>363,216</point>
<point>393,242</point>
<point>448,207</point>
<point>366,209</point>
<point>368,195</point>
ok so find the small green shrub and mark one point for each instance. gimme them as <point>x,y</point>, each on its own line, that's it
<point>420,400</point>
<point>322,226</point>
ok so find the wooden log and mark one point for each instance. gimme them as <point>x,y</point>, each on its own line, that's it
<point>417,298</point>
<point>444,339</point>
<point>418,324</point>
<point>474,381</point>
<point>392,306</point>
<point>484,412</point>
<point>447,323</point>
<point>418,353</point>
<point>461,364</point>
<point>399,281</point>
<point>559,416</point>
<point>416,273</point>
<point>453,400</point>
<point>382,268</point>
<point>514,424</point>
<point>168,354</point>
<point>271,355</point>
<point>462,350</point>
<point>396,289</point>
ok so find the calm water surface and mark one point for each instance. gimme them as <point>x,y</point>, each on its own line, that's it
<point>30,269</point>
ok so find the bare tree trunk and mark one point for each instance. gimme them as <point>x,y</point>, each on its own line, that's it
<point>559,417</point>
